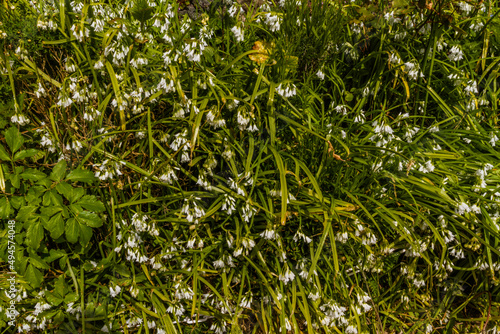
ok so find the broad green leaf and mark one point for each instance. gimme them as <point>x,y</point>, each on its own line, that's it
<point>81,175</point>
<point>142,11</point>
<point>58,171</point>
<point>3,154</point>
<point>26,212</point>
<point>55,198</point>
<point>15,179</point>
<point>33,276</point>
<point>38,261</point>
<point>91,203</point>
<point>25,154</point>
<point>72,230</point>
<point>54,254</point>
<point>5,208</point>
<point>32,174</point>
<point>89,219</point>
<point>85,235</point>
<point>70,297</point>
<point>60,286</point>
<point>35,235</point>
<point>56,226</point>
<point>53,298</point>
<point>14,139</point>
<point>17,201</point>
<point>71,194</point>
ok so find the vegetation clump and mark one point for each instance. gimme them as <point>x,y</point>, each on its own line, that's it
<point>276,167</point>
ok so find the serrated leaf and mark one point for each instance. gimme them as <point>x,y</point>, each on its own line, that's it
<point>90,219</point>
<point>122,270</point>
<point>142,11</point>
<point>15,179</point>
<point>70,297</point>
<point>5,208</point>
<point>35,235</point>
<point>14,139</point>
<point>56,226</point>
<point>67,191</point>
<point>54,254</point>
<point>37,261</point>
<point>81,175</point>
<point>85,235</point>
<point>3,154</point>
<point>51,210</point>
<point>60,286</point>
<point>33,174</point>
<point>25,154</point>
<point>33,276</point>
<point>53,299</point>
<point>17,201</point>
<point>55,198</point>
<point>72,230</point>
<point>91,203</point>
<point>58,171</point>
<point>26,212</point>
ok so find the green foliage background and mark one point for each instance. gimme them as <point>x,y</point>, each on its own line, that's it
<point>169,176</point>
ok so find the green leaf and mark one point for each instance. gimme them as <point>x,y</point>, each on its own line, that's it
<point>71,194</point>
<point>33,276</point>
<point>58,171</point>
<point>55,198</point>
<point>26,212</point>
<point>89,219</point>
<point>38,261</point>
<point>70,297</point>
<point>81,175</point>
<point>17,201</point>
<point>142,11</point>
<point>14,139</point>
<point>53,299</point>
<point>54,254</point>
<point>3,154</point>
<point>85,235</point>
<point>35,235</point>
<point>5,208</point>
<point>25,154</point>
<point>51,210</point>
<point>15,179</point>
<point>56,226</point>
<point>122,270</point>
<point>33,174</point>
<point>60,286</point>
<point>72,230</point>
<point>91,203</point>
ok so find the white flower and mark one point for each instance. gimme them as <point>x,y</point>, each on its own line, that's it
<point>428,167</point>
<point>462,208</point>
<point>391,19</point>
<point>493,139</point>
<point>219,264</point>
<point>273,21</point>
<point>320,75</point>
<point>268,234</point>
<point>342,237</point>
<point>351,330</point>
<point>287,276</point>
<point>20,119</point>
<point>114,292</point>
<point>471,87</point>
<point>465,7</point>
<point>455,54</point>
<point>238,33</point>
<point>287,92</point>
